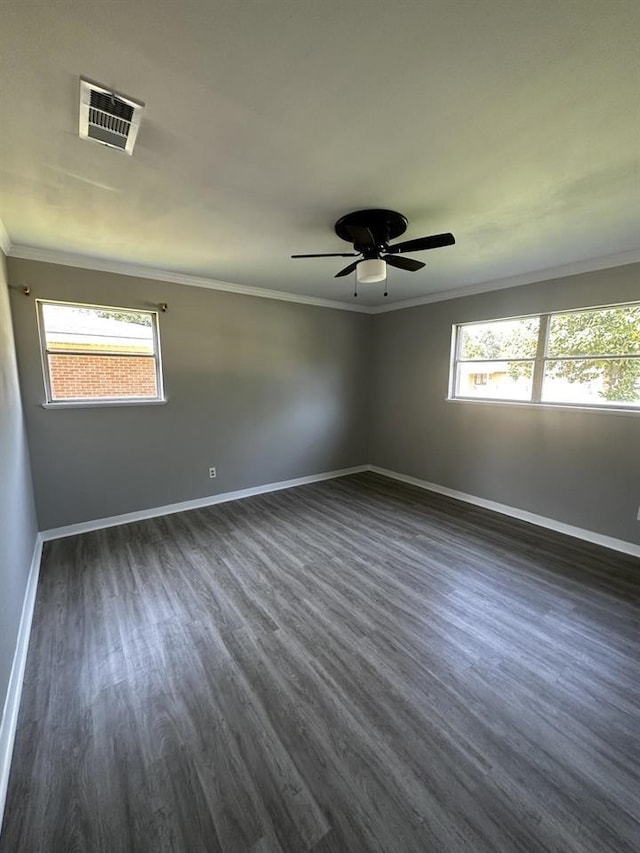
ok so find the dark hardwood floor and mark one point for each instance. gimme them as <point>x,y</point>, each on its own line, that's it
<point>344,667</point>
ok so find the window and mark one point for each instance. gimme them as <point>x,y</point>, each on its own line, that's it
<point>94,353</point>
<point>581,358</point>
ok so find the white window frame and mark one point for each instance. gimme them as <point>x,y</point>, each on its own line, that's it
<point>82,402</point>
<point>539,361</point>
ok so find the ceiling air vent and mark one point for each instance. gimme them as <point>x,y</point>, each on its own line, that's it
<point>108,118</point>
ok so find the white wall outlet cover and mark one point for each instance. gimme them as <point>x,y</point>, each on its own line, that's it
<point>212,472</point>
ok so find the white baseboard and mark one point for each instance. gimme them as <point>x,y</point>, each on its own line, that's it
<point>210,500</point>
<point>14,689</point>
<point>198,503</point>
<point>514,512</point>
<point>9,721</point>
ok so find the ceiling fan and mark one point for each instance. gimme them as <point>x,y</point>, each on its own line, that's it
<point>369,231</point>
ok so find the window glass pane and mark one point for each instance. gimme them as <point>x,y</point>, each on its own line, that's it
<point>591,381</point>
<point>607,331</point>
<point>496,380</point>
<point>97,330</point>
<point>500,339</point>
<point>76,377</point>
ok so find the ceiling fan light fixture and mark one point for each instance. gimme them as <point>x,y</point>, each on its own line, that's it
<point>371,270</point>
<point>369,232</point>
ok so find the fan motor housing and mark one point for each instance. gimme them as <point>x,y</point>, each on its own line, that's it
<point>384,225</point>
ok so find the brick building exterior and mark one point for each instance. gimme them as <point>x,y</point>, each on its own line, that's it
<point>77,376</point>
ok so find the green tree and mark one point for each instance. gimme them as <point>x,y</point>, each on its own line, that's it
<point>137,317</point>
<point>501,340</point>
<point>614,331</point>
<point>583,338</point>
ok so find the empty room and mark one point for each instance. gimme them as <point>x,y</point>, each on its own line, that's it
<point>320,426</point>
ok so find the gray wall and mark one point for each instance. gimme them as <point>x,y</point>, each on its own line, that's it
<point>18,524</point>
<point>269,390</point>
<point>262,389</point>
<point>578,467</point>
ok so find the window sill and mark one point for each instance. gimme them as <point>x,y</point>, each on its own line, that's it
<point>100,404</point>
<point>521,404</point>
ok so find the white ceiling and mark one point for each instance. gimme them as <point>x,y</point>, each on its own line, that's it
<point>513,124</point>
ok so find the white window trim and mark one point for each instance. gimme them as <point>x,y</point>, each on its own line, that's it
<point>101,402</point>
<point>538,362</point>
<point>633,411</point>
<point>97,402</point>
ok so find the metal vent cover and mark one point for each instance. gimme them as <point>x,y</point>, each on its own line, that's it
<point>108,118</point>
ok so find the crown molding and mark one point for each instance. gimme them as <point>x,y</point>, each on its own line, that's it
<point>68,259</point>
<point>5,242</point>
<point>537,276</point>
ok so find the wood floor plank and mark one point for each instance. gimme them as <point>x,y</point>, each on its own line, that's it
<point>354,665</point>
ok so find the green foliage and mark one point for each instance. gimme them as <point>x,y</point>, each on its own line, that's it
<point>615,331</point>
<point>501,340</point>
<point>610,332</point>
<point>504,340</point>
<point>139,318</point>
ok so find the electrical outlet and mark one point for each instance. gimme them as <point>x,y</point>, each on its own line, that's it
<point>212,472</point>
<point>639,513</point>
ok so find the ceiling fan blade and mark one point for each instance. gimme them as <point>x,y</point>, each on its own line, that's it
<point>409,264</point>
<point>435,241</point>
<point>347,270</point>
<point>361,236</point>
<point>332,255</point>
